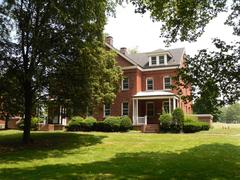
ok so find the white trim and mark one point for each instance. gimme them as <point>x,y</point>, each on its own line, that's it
<point>128,84</point>
<point>164,82</point>
<point>160,68</point>
<point>130,67</point>
<point>122,108</point>
<point>150,69</point>
<point>154,97</point>
<point>149,78</point>
<point>104,115</point>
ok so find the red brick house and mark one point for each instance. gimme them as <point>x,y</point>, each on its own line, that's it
<point>146,87</point>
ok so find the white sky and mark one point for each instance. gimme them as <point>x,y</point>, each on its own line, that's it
<point>135,30</point>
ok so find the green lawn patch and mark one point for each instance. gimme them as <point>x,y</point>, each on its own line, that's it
<point>214,154</point>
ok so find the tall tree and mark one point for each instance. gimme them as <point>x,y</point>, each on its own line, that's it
<point>37,34</point>
<point>215,77</point>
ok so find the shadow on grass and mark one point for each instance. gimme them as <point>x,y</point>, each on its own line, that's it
<point>45,145</point>
<point>210,161</point>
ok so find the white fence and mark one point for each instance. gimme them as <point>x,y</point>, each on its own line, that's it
<point>141,120</point>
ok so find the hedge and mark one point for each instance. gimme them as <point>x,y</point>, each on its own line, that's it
<point>191,127</point>
<point>165,122</point>
<point>175,123</point>
<point>110,124</point>
<point>78,123</point>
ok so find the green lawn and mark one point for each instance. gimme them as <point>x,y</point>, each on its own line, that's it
<point>60,155</point>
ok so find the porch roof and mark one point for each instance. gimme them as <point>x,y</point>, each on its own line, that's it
<point>160,94</point>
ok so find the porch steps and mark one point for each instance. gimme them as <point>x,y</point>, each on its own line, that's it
<point>150,128</point>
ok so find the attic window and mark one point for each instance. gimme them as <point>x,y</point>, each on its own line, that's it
<point>154,60</point>
<point>161,59</point>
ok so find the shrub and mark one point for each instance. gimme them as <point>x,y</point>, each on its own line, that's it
<point>113,123</point>
<point>34,123</point>
<point>125,124</point>
<point>87,124</point>
<point>191,127</point>
<point>165,122</point>
<point>76,119</point>
<point>77,123</point>
<point>205,126</point>
<point>178,118</point>
<point>101,126</point>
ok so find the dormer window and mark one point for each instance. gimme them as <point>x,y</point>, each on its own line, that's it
<point>161,59</point>
<point>154,60</point>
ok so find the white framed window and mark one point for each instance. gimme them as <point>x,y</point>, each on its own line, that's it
<point>165,106</point>
<point>149,84</point>
<point>106,110</point>
<point>153,60</point>
<point>125,109</point>
<point>167,82</point>
<point>125,83</point>
<point>161,59</point>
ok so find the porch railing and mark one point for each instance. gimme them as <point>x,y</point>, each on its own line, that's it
<point>141,120</point>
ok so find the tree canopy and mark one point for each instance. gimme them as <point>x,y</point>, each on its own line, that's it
<point>41,39</point>
<point>230,114</point>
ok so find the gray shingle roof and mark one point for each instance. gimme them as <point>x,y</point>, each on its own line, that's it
<point>142,58</point>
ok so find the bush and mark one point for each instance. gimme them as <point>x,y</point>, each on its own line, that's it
<point>191,127</point>
<point>113,123</point>
<point>34,123</point>
<point>165,122</point>
<point>101,126</point>
<point>77,123</point>
<point>178,118</point>
<point>110,124</point>
<point>126,123</point>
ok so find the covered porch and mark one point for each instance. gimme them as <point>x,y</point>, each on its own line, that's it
<point>149,105</point>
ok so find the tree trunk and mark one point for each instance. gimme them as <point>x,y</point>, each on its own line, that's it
<point>6,121</point>
<point>28,112</point>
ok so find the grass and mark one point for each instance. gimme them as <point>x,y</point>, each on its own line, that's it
<point>214,154</point>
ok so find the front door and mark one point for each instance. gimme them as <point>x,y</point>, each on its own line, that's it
<point>150,112</point>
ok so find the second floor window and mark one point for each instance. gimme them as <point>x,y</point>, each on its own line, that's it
<point>125,83</point>
<point>149,84</point>
<point>167,83</point>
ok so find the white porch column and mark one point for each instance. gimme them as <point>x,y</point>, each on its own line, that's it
<point>133,115</point>
<point>137,110</point>
<point>170,107</point>
<point>174,103</point>
<point>60,115</point>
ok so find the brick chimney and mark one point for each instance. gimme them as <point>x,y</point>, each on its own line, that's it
<point>123,50</point>
<point>109,40</point>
